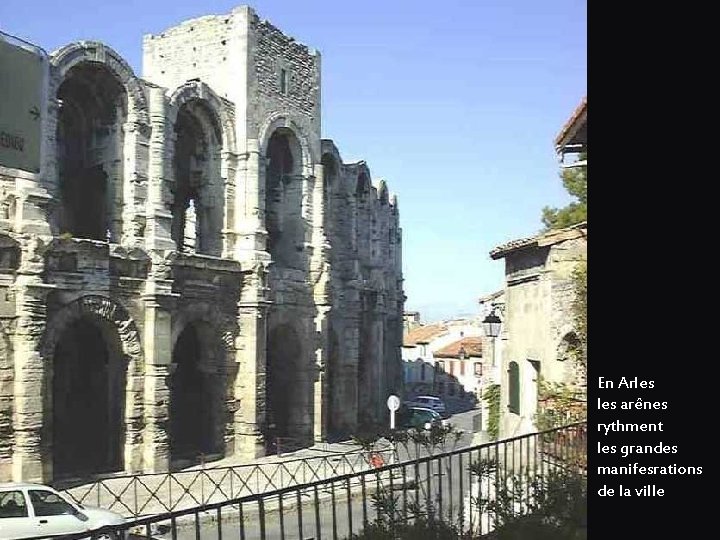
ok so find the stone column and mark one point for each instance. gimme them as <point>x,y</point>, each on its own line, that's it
<point>252,365</point>
<point>134,182</point>
<point>251,238</point>
<point>159,217</point>
<point>158,358</point>
<point>228,172</point>
<point>32,457</point>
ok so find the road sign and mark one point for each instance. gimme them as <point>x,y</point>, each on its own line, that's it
<point>22,72</point>
<point>393,403</point>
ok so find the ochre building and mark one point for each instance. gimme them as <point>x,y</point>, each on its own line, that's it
<point>194,271</point>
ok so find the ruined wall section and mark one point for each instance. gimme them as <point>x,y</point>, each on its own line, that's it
<point>284,81</point>
<point>204,48</point>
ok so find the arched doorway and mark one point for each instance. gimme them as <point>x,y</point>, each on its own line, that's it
<point>88,389</point>
<point>287,387</point>
<point>283,199</point>
<point>93,105</point>
<point>335,386</point>
<point>195,393</point>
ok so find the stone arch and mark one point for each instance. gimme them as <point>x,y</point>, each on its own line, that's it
<point>7,380</point>
<point>336,385</point>
<point>331,169</point>
<point>220,111</point>
<point>285,186</point>
<point>73,54</point>
<point>107,324</point>
<point>203,373</point>
<point>363,182</point>
<point>304,156</point>
<point>204,132</point>
<point>567,349</point>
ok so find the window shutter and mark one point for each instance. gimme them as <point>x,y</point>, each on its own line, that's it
<point>514,387</point>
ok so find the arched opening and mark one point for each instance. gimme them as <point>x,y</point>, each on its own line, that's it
<point>88,391</point>
<point>569,352</point>
<point>368,369</point>
<point>330,168</point>
<point>362,189</point>
<point>198,203</point>
<point>196,393</point>
<point>364,215</point>
<point>287,389</point>
<point>335,386</point>
<point>92,110</point>
<point>283,200</point>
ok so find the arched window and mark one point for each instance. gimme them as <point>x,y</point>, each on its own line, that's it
<point>198,190</point>
<point>90,140</point>
<point>514,388</point>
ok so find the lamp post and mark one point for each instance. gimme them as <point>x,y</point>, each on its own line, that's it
<point>491,324</point>
<point>491,328</point>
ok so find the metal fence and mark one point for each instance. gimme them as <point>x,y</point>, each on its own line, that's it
<point>453,487</point>
<point>138,495</point>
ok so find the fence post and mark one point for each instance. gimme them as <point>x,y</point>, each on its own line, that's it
<point>202,478</point>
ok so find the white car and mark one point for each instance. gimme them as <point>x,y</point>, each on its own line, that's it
<point>431,402</point>
<point>31,510</point>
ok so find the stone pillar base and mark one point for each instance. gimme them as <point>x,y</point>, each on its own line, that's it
<point>249,446</point>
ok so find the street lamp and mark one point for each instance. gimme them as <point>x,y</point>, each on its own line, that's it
<point>491,325</point>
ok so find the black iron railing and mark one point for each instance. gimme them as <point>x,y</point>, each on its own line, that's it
<point>138,495</point>
<point>468,488</point>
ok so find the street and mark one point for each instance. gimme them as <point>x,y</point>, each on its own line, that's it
<point>336,514</point>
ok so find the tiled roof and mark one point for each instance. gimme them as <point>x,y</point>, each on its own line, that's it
<point>424,334</point>
<point>580,115</point>
<point>544,239</point>
<point>472,346</point>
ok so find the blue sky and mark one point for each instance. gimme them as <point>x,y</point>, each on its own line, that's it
<point>455,103</point>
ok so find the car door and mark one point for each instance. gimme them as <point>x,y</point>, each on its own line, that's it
<point>15,520</point>
<point>53,514</point>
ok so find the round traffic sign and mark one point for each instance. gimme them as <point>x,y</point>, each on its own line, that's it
<point>393,403</point>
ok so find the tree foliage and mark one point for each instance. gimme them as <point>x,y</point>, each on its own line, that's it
<point>579,308</point>
<point>575,182</point>
<point>492,397</point>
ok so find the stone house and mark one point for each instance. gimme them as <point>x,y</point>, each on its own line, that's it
<point>194,270</point>
<point>445,359</point>
<point>538,321</point>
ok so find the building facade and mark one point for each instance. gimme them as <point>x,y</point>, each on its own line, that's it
<point>194,271</point>
<point>447,359</point>
<point>538,320</point>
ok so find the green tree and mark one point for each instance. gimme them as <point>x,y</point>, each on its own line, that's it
<point>575,182</point>
<point>580,314</point>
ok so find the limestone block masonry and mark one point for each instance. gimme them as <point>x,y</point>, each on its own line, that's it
<point>194,273</point>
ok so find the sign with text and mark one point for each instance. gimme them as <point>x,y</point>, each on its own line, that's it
<point>21,89</point>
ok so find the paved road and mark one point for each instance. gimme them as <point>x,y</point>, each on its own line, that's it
<point>445,490</point>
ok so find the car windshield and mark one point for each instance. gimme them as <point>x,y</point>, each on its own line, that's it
<point>47,503</point>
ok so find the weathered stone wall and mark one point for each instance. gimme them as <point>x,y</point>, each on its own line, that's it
<point>539,296</point>
<point>240,80</point>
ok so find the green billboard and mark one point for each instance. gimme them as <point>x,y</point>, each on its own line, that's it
<point>21,91</point>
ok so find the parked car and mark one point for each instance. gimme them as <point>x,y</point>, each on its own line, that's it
<point>431,402</point>
<point>419,417</point>
<point>31,510</point>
